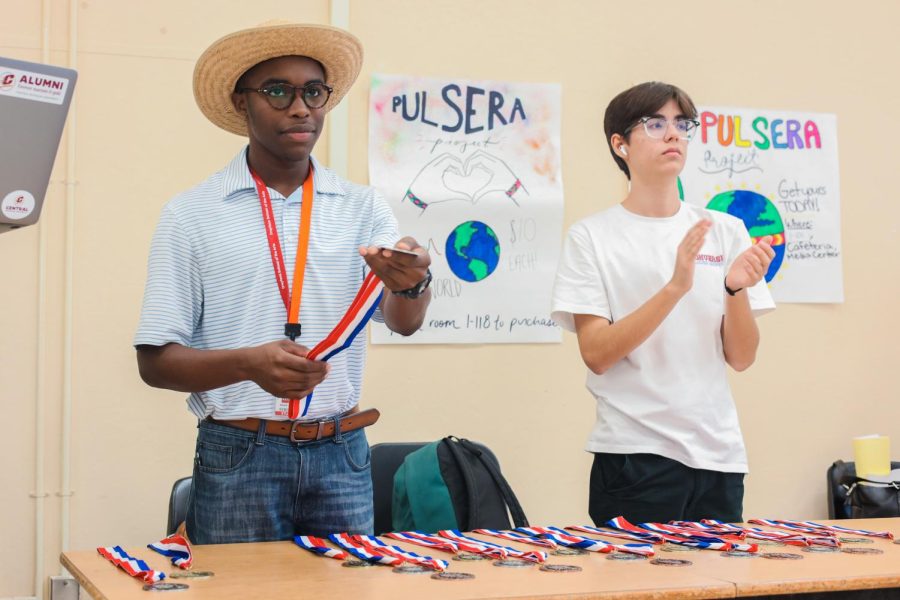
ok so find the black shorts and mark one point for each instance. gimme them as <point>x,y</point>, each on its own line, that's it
<point>647,488</point>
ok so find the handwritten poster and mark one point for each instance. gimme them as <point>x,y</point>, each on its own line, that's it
<point>778,172</point>
<point>471,169</point>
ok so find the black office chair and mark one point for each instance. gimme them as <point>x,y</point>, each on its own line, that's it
<point>387,458</point>
<point>837,493</point>
<point>178,504</point>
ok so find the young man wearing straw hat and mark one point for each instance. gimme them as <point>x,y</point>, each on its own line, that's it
<point>281,448</point>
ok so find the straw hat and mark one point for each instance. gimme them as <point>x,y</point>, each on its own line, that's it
<point>223,63</point>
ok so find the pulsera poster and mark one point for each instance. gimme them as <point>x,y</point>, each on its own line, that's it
<point>471,169</point>
<point>778,172</point>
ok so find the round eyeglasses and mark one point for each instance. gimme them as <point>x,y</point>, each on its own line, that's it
<point>656,127</point>
<point>281,95</point>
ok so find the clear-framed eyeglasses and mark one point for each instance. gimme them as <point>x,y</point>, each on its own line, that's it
<point>656,127</point>
<point>281,95</point>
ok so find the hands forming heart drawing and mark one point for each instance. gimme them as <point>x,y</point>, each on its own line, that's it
<point>447,178</point>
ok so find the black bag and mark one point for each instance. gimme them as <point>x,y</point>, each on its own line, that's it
<point>453,484</point>
<point>868,499</point>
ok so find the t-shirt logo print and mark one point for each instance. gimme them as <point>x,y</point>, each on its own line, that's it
<point>713,260</point>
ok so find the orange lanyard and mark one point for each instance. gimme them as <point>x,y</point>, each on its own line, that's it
<point>290,297</point>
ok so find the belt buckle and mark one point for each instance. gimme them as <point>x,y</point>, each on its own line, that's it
<point>320,426</point>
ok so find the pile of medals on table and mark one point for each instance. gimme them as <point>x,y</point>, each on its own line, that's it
<point>641,543</point>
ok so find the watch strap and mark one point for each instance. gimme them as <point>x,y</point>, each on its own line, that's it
<point>416,290</point>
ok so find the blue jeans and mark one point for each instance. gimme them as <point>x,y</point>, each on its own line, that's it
<point>253,487</point>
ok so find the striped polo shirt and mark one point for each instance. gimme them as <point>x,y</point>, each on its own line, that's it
<point>211,284</point>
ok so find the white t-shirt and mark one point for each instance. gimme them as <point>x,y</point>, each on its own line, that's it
<point>670,395</point>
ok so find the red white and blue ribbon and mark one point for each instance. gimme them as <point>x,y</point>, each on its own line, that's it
<point>879,534</point>
<point>837,529</point>
<point>376,545</point>
<point>817,536</point>
<point>635,532</point>
<point>717,542</point>
<point>791,539</point>
<point>317,545</point>
<point>427,541</point>
<point>830,529</point>
<point>176,548</point>
<point>361,552</point>
<point>341,337</point>
<point>529,555</point>
<point>131,565</point>
<point>516,536</point>
<point>643,536</point>
<point>622,524</point>
<point>564,538</point>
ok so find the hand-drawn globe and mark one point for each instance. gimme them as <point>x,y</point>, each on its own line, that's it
<point>472,251</point>
<point>759,216</point>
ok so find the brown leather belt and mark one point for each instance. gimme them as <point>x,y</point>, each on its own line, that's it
<point>308,431</point>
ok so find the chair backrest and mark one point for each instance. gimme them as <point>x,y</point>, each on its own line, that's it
<point>837,493</point>
<point>178,503</point>
<point>388,457</point>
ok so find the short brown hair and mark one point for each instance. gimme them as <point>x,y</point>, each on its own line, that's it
<point>640,101</point>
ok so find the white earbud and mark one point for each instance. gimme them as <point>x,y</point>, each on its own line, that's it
<point>623,150</point>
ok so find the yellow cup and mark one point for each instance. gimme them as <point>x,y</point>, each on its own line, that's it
<point>872,454</point>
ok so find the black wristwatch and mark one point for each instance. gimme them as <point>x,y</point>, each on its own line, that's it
<point>416,290</point>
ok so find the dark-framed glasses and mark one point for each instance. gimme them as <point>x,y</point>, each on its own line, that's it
<point>281,95</point>
<point>656,127</point>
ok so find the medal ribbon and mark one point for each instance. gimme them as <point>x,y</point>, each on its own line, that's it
<point>376,545</point>
<point>622,524</point>
<point>645,537</point>
<point>317,545</point>
<point>837,529</point>
<point>702,536</point>
<point>572,541</point>
<point>177,549</point>
<point>589,544</point>
<point>428,541</point>
<point>131,565</point>
<point>341,337</point>
<point>791,539</point>
<point>818,537</point>
<point>346,542</point>
<point>517,536</point>
<point>529,555</point>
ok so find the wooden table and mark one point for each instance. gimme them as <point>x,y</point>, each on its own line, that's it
<point>281,569</point>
